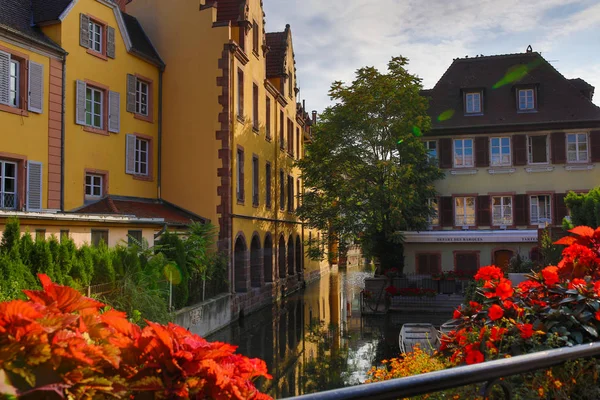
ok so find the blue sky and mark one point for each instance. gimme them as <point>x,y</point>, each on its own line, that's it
<point>333,38</point>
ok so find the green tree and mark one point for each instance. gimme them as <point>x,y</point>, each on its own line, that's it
<point>366,170</point>
<point>584,209</point>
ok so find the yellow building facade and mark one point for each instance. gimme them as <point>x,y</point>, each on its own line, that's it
<point>233,129</point>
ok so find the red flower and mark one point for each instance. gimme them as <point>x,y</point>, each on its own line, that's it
<point>528,285</point>
<point>577,282</point>
<point>474,357</point>
<point>598,315</point>
<point>489,273</point>
<point>504,289</point>
<point>526,330</point>
<point>550,275</point>
<point>457,313</point>
<point>475,306</point>
<point>496,333</point>
<point>577,261</point>
<point>495,312</point>
<point>507,304</point>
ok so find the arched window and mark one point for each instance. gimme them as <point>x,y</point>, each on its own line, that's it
<point>240,265</point>
<point>255,262</point>
<point>290,255</point>
<point>268,258</point>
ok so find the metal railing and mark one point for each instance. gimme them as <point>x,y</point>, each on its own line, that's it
<point>8,201</point>
<point>488,373</point>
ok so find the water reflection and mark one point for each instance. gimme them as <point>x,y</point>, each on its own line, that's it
<point>316,340</point>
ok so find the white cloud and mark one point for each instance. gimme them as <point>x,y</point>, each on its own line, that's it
<point>333,38</point>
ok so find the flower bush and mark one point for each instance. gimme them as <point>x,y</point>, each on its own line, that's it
<point>556,307</point>
<point>63,344</point>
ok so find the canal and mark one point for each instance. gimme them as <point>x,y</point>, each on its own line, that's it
<point>316,339</point>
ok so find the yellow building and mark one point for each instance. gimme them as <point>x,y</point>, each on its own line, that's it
<point>80,118</point>
<point>512,145</point>
<point>233,129</point>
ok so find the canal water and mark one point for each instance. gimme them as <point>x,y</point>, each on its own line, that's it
<point>316,339</point>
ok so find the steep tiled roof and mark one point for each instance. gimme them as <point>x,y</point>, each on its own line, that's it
<point>277,43</point>
<point>559,101</point>
<point>48,10</point>
<point>141,208</point>
<point>16,16</point>
<point>139,40</point>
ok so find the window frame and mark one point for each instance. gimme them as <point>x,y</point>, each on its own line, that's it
<point>103,38</point>
<point>281,190</point>
<point>435,159</point>
<point>3,178</point>
<point>101,232</point>
<point>94,185</point>
<point>23,83</point>
<point>92,90</point>
<point>92,36</point>
<point>268,118</point>
<point>139,103</point>
<point>255,38</point>
<point>502,205</point>
<point>240,94</point>
<point>239,179</point>
<point>472,165</point>
<point>529,150</point>
<point>255,114</point>
<point>255,181</point>
<point>501,154</point>
<point>104,107</point>
<point>577,151</point>
<point>455,198</point>
<point>17,82</point>
<point>130,236</point>
<point>268,184</point>
<point>149,116</point>
<point>430,219</point>
<point>437,254</point>
<point>533,108</point>
<point>473,93</point>
<point>137,162</point>
<point>550,206</point>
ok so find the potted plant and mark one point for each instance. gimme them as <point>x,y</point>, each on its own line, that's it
<point>437,276</point>
<point>518,269</point>
<point>450,275</point>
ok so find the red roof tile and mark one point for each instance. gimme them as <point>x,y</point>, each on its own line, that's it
<point>140,208</point>
<point>228,10</point>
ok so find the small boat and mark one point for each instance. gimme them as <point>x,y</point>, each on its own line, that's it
<point>425,335</point>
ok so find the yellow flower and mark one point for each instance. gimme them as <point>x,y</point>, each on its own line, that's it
<point>557,383</point>
<point>541,392</point>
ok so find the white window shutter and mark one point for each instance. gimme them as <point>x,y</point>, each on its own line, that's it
<point>114,112</point>
<point>110,42</point>
<point>80,103</point>
<point>130,155</point>
<point>131,86</point>
<point>84,31</point>
<point>34,186</point>
<point>4,78</point>
<point>36,87</point>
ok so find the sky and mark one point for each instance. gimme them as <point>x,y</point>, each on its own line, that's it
<point>334,38</point>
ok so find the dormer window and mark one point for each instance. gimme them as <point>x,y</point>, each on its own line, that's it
<point>526,100</point>
<point>473,103</point>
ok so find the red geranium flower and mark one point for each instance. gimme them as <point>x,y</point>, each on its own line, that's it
<point>504,289</point>
<point>489,273</point>
<point>526,330</point>
<point>495,312</point>
<point>475,306</point>
<point>474,357</point>
<point>528,285</point>
<point>577,282</point>
<point>457,313</point>
<point>550,275</point>
<point>598,315</point>
<point>496,333</point>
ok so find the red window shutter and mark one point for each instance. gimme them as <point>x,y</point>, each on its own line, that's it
<point>560,208</point>
<point>519,143</point>
<point>436,263</point>
<point>482,152</point>
<point>558,145</point>
<point>467,263</point>
<point>446,211</point>
<point>521,211</point>
<point>484,215</point>
<point>445,153</point>
<point>595,145</point>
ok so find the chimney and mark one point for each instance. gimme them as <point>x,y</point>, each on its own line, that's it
<point>314,117</point>
<point>122,4</point>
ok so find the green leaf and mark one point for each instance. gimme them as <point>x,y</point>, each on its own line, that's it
<point>577,336</point>
<point>591,330</point>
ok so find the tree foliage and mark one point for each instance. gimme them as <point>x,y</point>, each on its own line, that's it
<point>584,208</point>
<point>366,171</point>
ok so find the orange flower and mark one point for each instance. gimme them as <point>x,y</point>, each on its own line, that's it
<point>504,289</point>
<point>550,275</point>
<point>495,312</point>
<point>488,273</point>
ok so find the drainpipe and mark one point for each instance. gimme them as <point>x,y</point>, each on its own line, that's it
<point>232,152</point>
<point>62,134</point>
<point>160,109</point>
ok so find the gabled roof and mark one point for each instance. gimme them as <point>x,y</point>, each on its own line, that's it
<point>559,101</point>
<point>16,17</point>
<point>140,208</point>
<point>277,43</point>
<point>140,43</point>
